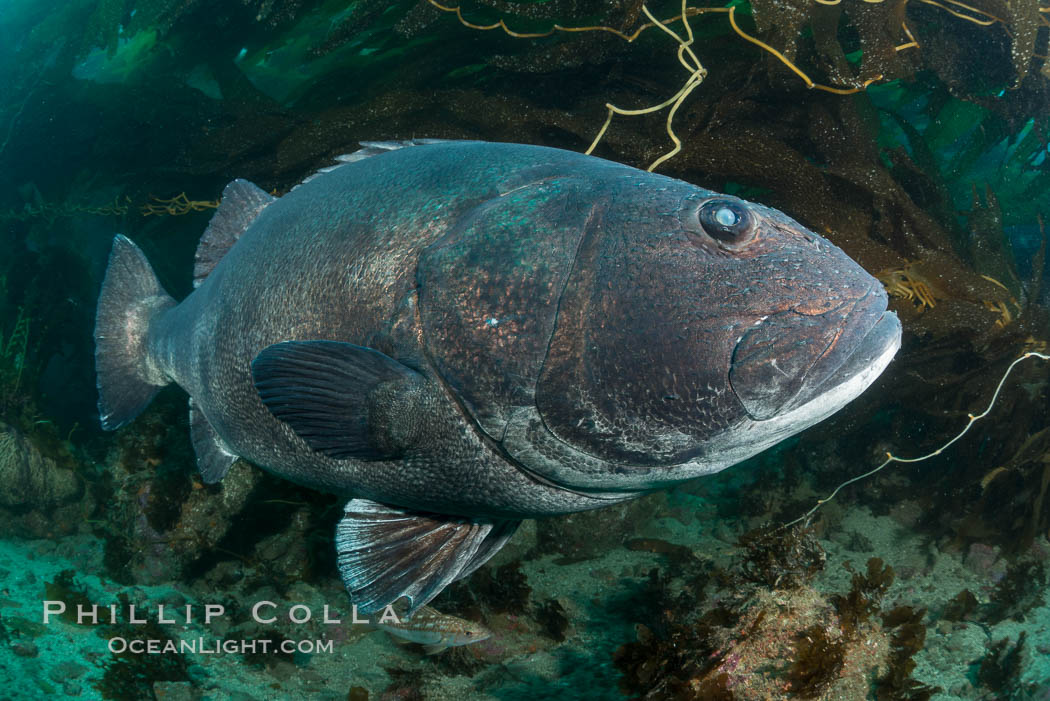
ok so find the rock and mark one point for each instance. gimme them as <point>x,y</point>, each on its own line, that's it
<point>199,676</point>
<point>27,478</point>
<point>200,522</point>
<point>25,648</point>
<point>288,550</point>
<point>175,691</point>
<point>67,670</point>
<point>984,560</point>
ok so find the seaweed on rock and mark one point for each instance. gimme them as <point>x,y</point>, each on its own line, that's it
<point>1000,669</point>
<point>781,558</point>
<point>864,598</point>
<point>1021,589</point>
<point>64,587</point>
<point>502,589</point>
<point>130,676</point>
<point>762,640</point>
<point>405,684</point>
<point>817,662</point>
<point>672,665</point>
<point>909,637</point>
<point>961,607</point>
<point>552,619</point>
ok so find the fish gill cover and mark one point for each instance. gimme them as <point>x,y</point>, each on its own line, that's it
<point>913,134</point>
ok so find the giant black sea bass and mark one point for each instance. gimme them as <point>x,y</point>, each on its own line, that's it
<point>460,335</point>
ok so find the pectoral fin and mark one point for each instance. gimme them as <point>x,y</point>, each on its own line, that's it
<point>385,553</point>
<point>496,539</point>
<point>328,391</point>
<point>435,648</point>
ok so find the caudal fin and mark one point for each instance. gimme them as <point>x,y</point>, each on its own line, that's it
<point>130,300</point>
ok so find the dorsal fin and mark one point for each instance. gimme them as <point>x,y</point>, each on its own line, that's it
<point>369,149</point>
<point>374,148</point>
<point>241,203</point>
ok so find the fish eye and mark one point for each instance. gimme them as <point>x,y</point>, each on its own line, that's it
<point>726,221</point>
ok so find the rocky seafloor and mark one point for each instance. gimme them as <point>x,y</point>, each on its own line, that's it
<point>681,594</point>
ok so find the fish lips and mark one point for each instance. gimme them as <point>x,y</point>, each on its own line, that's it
<point>790,358</point>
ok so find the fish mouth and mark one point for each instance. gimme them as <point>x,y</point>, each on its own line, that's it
<point>833,387</point>
<point>823,395</point>
<point>791,359</point>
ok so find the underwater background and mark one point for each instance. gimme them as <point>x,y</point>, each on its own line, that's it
<point>912,133</point>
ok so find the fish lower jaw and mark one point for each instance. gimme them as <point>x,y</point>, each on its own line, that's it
<point>752,437</point>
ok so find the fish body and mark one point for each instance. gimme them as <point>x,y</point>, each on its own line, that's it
<point>460,335</point>
<point>436,631</point>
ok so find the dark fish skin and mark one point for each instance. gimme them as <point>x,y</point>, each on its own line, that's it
<point>575,335</point>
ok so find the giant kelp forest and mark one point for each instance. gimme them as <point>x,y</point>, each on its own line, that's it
<point>914,134</point>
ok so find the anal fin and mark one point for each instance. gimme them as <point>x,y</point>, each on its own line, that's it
<point>214,457</point>
<point>386,553</point>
